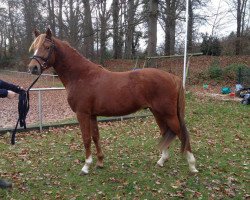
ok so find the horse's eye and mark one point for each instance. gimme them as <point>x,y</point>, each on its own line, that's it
<point>47,47</point>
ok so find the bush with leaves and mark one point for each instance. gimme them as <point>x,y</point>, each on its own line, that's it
<point>215,71</point>
<point>231,72</point>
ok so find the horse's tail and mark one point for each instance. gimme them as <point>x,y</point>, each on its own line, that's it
<point>184,137</point>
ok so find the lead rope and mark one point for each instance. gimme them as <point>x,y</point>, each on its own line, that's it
<point>23,109</point>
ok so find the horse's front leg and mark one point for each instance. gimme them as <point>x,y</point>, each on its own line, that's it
<point>85,125</point>
<point>96,139</point>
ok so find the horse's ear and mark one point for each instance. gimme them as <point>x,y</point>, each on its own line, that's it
<point>36,33</point>
<point>48,33</point>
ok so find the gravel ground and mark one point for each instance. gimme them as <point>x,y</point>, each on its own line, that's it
<point>54,103</point>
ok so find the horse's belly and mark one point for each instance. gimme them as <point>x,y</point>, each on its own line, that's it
<point>116,109</point>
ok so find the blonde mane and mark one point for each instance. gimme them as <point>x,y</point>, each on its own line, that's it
<point>37,42</point>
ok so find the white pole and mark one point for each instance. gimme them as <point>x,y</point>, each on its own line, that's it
<point>185,50</point>
<point>40,110</point>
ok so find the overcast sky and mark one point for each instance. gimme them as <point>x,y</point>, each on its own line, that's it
<point>224,24</point>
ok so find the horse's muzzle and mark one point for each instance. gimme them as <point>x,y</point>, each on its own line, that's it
<point>35,70</point>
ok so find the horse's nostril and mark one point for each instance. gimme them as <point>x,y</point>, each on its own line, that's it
<point>35,70</point>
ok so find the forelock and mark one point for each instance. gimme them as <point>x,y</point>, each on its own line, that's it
<point>37,42</point>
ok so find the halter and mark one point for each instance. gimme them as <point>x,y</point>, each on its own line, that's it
<point>44,65</point>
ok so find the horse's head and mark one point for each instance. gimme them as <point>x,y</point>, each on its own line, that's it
<point>44,52</point>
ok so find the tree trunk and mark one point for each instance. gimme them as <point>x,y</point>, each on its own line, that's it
<point>170,26</point>
<point>60,20</point>
<point>190,27</point>
<point>238,31</point>
<point>12,30</point>
<point>53,21</point>
<point>29,17</point>
<point>117,43</point>
<point>103,31</point>
<point>88,32</point>
<point>130,29</point>
<point>152,28</point>
<point>73,24</point>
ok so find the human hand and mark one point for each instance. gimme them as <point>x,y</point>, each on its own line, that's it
<point>11,94</point>
<point>21,89</point>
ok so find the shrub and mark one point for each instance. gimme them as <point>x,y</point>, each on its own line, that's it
<point>215,71</point>
<point>231,72</point>
<point>200,77</point>
<point>210,46</point>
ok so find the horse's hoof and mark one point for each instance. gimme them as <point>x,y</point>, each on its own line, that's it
<point>194,171</point>
<point>99,165</point>
<point>83,173</point>
<point>159,164</point>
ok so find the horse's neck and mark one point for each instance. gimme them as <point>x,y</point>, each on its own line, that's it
<point>70,65</point>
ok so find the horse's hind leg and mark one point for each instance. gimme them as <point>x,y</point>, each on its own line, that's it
<point>85,121</point>
<point>174,125</point>
<point>96,139</point>
<point>167,137</point>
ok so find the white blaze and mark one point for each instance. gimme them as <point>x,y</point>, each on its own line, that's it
<point>35,52</point>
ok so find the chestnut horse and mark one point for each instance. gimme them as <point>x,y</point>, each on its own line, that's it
<point>94,91</point>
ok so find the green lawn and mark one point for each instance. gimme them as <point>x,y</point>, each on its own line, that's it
<point>47,165</point>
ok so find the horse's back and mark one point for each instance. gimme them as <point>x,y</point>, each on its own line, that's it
<point>155,80</point>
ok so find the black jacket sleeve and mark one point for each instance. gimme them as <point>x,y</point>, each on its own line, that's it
<point>8,86</point>
<point>3,93</point>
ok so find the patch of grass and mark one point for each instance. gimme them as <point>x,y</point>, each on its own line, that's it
<point>46,165</point>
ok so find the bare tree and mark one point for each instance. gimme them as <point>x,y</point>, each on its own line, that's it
<point>29,10</point>
<point>117,39</point>
<point>3,23</point>
<point>73,18</point>
<point>104,15</point>
<point>88,47</point>
<point>130,30</point>
<point>51,17</point>
<point>152,27</point>
<point>194,18</point>
<point>12,34</point>
<point>241,11</point>
<point>190,26</point>
<point>60,19</point>
<point>171,11</point>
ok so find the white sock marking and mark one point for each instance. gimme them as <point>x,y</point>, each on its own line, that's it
<point>164,157</point>
<point>87,164</point>
<point>191,162</point>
